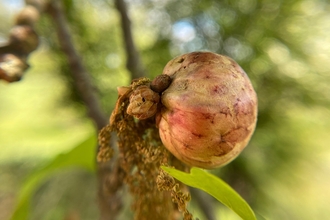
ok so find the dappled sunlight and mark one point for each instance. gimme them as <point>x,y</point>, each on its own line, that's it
<point>283,46</point>
<point>36,124</point>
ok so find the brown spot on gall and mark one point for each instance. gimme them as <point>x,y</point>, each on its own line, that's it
<point>197,135</point>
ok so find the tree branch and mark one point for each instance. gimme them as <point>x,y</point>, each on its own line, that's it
<point>133,62</point>
<point>110,189</point>
<point>79,73</point>
<point>109,173</point>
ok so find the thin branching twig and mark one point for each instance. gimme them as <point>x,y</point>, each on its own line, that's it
<point>109,189</point>
<point>79,73</point>
<point>133,63</point>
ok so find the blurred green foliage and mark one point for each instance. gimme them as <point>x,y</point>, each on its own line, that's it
<point>81,156</point>
<point>282,45</point>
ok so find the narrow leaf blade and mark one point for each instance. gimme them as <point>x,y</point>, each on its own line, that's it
<point>216,187</point>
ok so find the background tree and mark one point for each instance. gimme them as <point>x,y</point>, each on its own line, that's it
<point>282,45</point>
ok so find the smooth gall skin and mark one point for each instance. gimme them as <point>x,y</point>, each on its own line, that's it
<point>209,111</point>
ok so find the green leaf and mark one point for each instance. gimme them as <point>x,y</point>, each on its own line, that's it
<point>83,156</point>
<point>216,187</point>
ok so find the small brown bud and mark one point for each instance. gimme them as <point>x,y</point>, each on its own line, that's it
<point>28,16</point>
<point>143,103</point>
<point>38,4</point>
<point>161,83</point>
<point>12,67</point>
<point>23,39</point>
